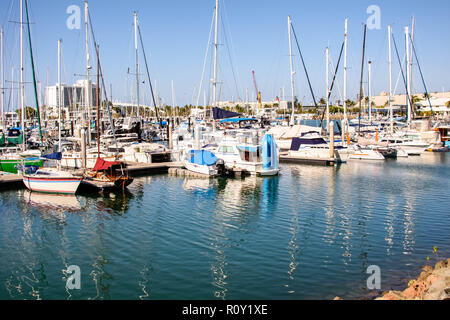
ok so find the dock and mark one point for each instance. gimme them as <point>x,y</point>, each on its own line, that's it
<point>11,180</point>
<point>311,161</point>
<point>136,169</point>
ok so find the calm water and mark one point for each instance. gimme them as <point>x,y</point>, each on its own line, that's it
<point>310,233</point>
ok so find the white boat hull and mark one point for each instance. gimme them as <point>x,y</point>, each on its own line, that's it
<point>62,185</point>
<point>202,169</point>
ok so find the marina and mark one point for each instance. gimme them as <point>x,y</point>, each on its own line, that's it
<point>297,197</point>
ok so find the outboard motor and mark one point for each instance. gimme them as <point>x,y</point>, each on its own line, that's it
<point>220,166</point>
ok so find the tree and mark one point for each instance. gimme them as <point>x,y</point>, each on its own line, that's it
<point>29,112</point>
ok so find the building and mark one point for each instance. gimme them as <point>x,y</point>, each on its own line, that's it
<point>73,98</point>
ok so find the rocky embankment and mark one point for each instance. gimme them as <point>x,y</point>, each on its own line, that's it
<point>432,284</point>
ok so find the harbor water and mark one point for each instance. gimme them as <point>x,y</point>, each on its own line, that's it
<point>310,233</point>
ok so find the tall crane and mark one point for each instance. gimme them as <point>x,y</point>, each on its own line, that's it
<point>258,93</point>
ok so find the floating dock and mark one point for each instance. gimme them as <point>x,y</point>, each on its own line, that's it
<point>312,161</point>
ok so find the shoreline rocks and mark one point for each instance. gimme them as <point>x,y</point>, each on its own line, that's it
<point>432,284</point>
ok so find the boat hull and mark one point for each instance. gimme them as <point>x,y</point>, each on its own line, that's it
<point>59,185</point>
<point>202,169</point>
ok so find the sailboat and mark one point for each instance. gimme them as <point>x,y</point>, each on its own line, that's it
<point>51,180</point>
<point>106,174</point>
<point>16,137</point>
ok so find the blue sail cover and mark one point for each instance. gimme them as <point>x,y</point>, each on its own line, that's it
<point>269,153</point>
<point>202,157</point>
<point>53,156</point>
<point>223,114</point>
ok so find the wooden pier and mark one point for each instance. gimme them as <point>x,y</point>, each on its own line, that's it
<point>11,180</point>
<point>136,169</point>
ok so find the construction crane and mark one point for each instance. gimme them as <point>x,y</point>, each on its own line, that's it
<point>258,93</point>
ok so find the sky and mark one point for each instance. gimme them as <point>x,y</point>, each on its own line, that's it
<point>253,36</point>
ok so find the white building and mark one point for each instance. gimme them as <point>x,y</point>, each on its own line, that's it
<point>73,98</point>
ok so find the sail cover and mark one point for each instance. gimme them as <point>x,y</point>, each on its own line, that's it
<point>104,165</point>
<point>223,114</point>
<point>53,156</point>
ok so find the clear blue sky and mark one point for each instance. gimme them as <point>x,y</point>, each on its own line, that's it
<point>176,35</point>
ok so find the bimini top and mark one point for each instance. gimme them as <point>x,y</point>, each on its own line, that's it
<point>104,165</point>
<point>202,157</point>
<point>297,142</point>
<point>236,120</point>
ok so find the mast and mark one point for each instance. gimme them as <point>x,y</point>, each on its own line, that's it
<point>98,101</point>
<point>59,95</point>
<point>408,88</point>
<point>2,82</point>
<point>344,126</point>
<point>292,70</point>
<point>391,112</point>
<point>370,90</point>
<point>22,86</point>
<point>410,77</point>
<point>137,63</point>
<point>173,97</point>
<point>328,90</point>
<point>87,96</point>
<point>216,46</point>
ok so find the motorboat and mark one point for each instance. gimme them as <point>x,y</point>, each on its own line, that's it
<point>203,162</point>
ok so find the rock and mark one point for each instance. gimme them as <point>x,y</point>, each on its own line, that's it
<point>440,265</point>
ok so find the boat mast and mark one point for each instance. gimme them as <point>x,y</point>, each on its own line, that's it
<point>22,86</point>
<point>408,88</point>
<point>98,101</point>
<point>88,67</point>
<point>370,90</point>
<point>216,46</point>
<point>410,77</point>
<point>59,95</point>
<point>391,112</point>
<point>292,70</point>
<point>327,52</point>
<point>2,83</point>
<point>344,126</point>
<point>137,63</point>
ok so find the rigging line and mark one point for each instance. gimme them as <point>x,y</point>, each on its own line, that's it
<point>421,74</point>
<point>304,66</point>
<point>399,75</point>
<point>205,59</point>
<point>34,73</point>
<point>403,75</point>
<point>332,83</point>
<point>103,81</point>
<point>229,49</point>
<point>148,74</point>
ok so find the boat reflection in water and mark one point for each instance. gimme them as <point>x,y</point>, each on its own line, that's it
<point>52,202</point>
